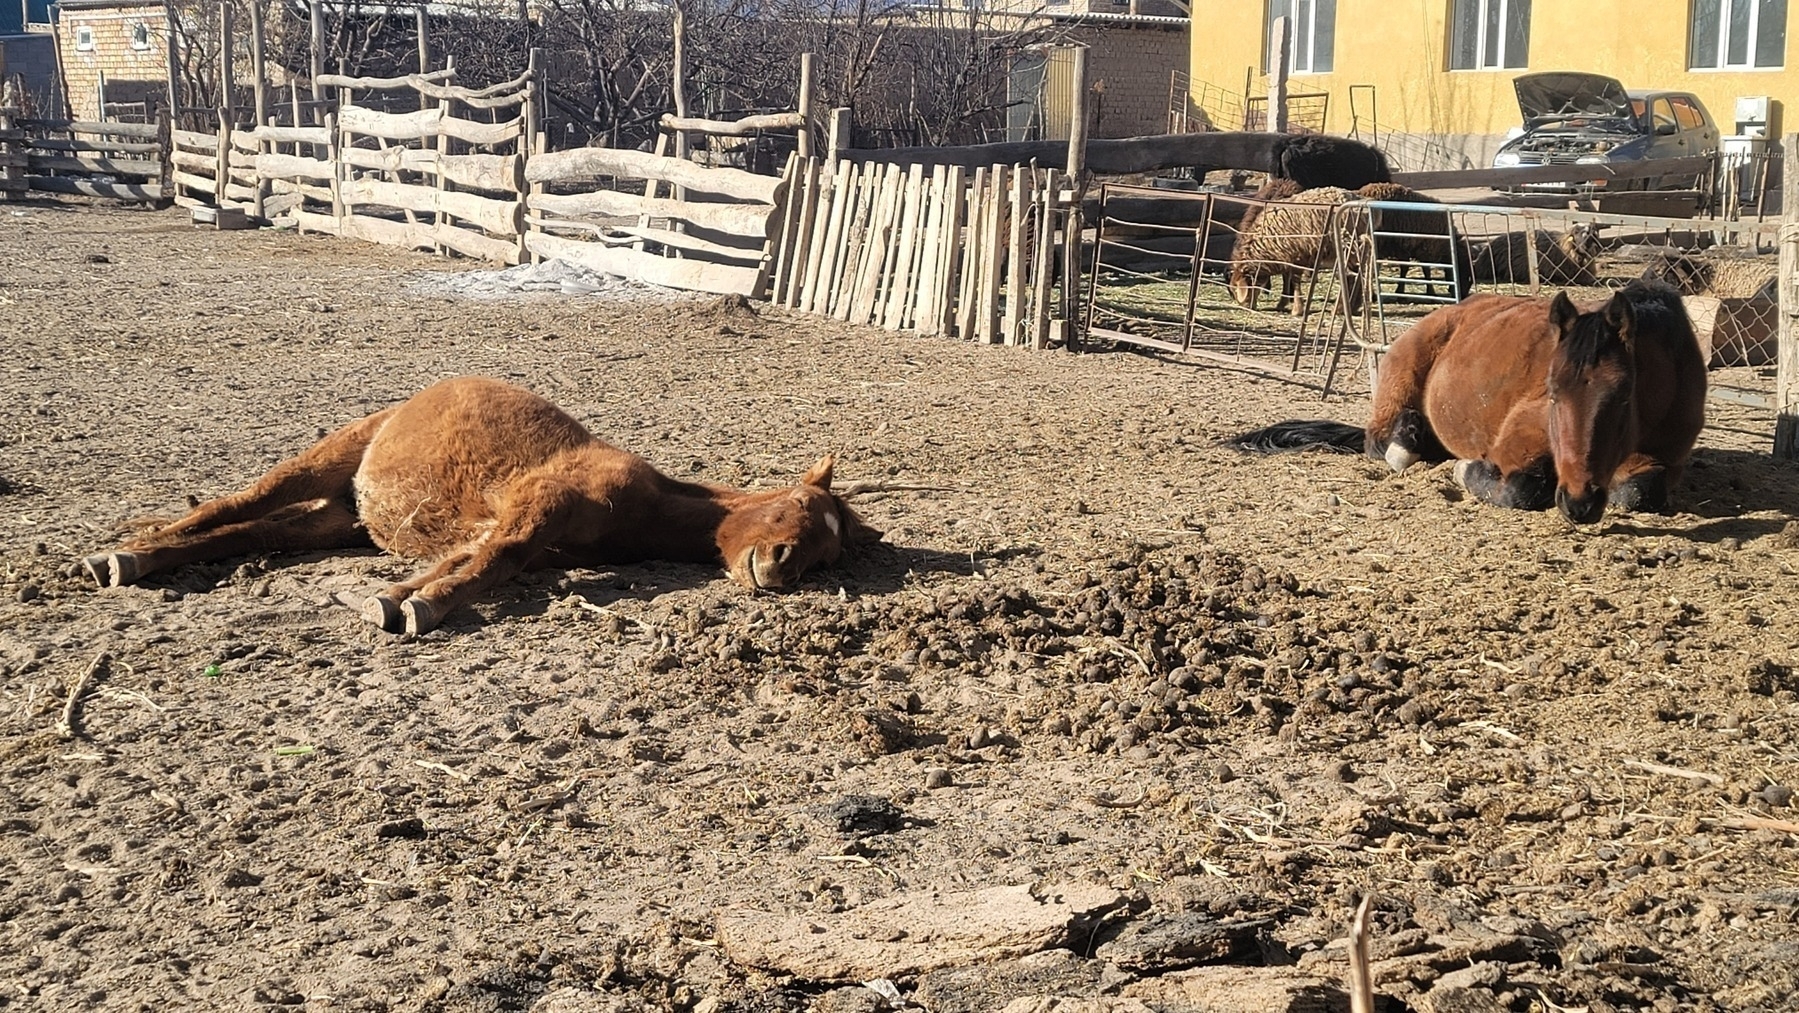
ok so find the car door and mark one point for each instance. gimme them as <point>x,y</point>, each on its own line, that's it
<point>1695,124</point>
<point>1666,140</point>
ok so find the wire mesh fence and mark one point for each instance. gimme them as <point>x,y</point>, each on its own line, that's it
<point>1317,285</point>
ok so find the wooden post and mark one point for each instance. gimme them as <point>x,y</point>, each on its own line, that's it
<point>1280,57</point>
<point>534,142</point>
<point>316,19</point>
<point>805,106</point>
<point>227,57</point>
<point>262,100</point>
<point>1786,375</point>
<point>1077,179</point>
<point>680,85</point>
<point>424,23</point>
<point>100,96</point>
<point>173,58</point>
<point>12,175</point>
<point>839,138</point>
<point>442,145</point>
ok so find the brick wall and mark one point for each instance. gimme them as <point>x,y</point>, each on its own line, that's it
<point>132,74</point>
<point>1132,64</point>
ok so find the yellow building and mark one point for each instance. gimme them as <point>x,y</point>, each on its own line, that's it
<point>1440,71</point>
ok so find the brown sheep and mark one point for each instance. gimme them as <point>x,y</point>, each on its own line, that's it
<point>1288,238</point>
<point>1724,278</point>
<point>1414,237</point>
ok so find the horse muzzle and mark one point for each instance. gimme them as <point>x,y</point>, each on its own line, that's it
<point>1586,508</point>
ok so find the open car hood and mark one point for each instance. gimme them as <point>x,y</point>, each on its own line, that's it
<point>1561,94</point>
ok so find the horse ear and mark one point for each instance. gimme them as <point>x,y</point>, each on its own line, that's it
<point>820,474</point>
<point>1562,313</point>
<point>855,530</point>
<point>1621,317</point>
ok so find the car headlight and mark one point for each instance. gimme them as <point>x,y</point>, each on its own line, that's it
<point>1591,160</point>
<point>1505,160</point>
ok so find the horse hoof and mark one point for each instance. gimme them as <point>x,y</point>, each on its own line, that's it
<point>383,612</point>
<point>112,569</point>
<point>1462,468</point>
<point>1399,459</point>
<point>421,615</point>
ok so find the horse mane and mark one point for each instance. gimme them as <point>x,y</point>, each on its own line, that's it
<point>1656,310</point>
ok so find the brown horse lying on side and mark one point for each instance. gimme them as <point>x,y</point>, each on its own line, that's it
<point>490,479</point>
<point>1540,400</point>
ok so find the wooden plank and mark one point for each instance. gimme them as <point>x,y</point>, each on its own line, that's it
<point>859,285</point>
<point>385,83</point>
<point>108,129</point>
<point>855,242</point>
<point>635,236</point>
<point>827,226</point>
<point>878,246</point>
<point>689,275</point>
<point>281,203</point>
<point>119,147</point>
<point>195,139</point>
<point>479,171</point>
<point>1046,242</point>
<point>311,191</point>
<point>899,289</point>
<point>969,253</point>
<point>415,235</point>
<point>272,134</point>
<point>1016,254</point>
<point>925,299</point>
<point>750,220</point>
<point>580,164</point>
<point>98,166</point>
<point>787,240</point>
<point>999,186</point>
<point>1518,175</point>
<point>805,225</point>
<point>204,184</point>
<point>949,255</point>
<point>782,122</point>
<point>194,160</point>
<point>275,166</point>
<point>502,217</point>
<point>426,123</point>
<point>122,191</point>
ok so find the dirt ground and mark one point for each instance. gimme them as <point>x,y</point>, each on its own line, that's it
<point>1191,705</point>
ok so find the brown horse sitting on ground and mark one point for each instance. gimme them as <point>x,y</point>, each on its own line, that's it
<point>1541,401</point>
<point>490,479</point>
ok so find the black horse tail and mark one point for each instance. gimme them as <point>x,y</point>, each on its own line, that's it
<point>1300,434</point>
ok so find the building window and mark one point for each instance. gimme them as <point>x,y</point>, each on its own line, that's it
<point>1489,34</point>
<point>1314,27</point>
<point>84,39</point>
<point>1738,34</point>
<point>140,36</point>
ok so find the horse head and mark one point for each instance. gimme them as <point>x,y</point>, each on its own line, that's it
<point>1591,387</point>
<point>769,539</point>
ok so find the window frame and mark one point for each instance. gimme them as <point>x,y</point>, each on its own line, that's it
<point>1306,63</point>
<point>140,28</point>
<point>1720,54</point>
<point>84,38</point>
<point>1484,21</point>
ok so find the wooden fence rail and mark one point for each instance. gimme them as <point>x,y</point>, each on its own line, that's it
<point>120,160</point>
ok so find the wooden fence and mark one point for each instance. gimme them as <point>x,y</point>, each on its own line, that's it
<point>933,249</point>
<point>120,160</point>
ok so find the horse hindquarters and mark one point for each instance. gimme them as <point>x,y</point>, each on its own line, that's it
<point>300,504</point>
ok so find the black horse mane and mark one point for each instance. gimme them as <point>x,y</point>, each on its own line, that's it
<point>1654,305</point>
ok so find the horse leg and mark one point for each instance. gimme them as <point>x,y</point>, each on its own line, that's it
<point>321,472</point>
<point>1518,471</point>
<point>1641,484</point>
<point>383,609</point>
<point>535,516</point>
<point>322,524</point>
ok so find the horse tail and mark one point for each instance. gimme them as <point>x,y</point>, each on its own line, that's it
<point>1300,434</point>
